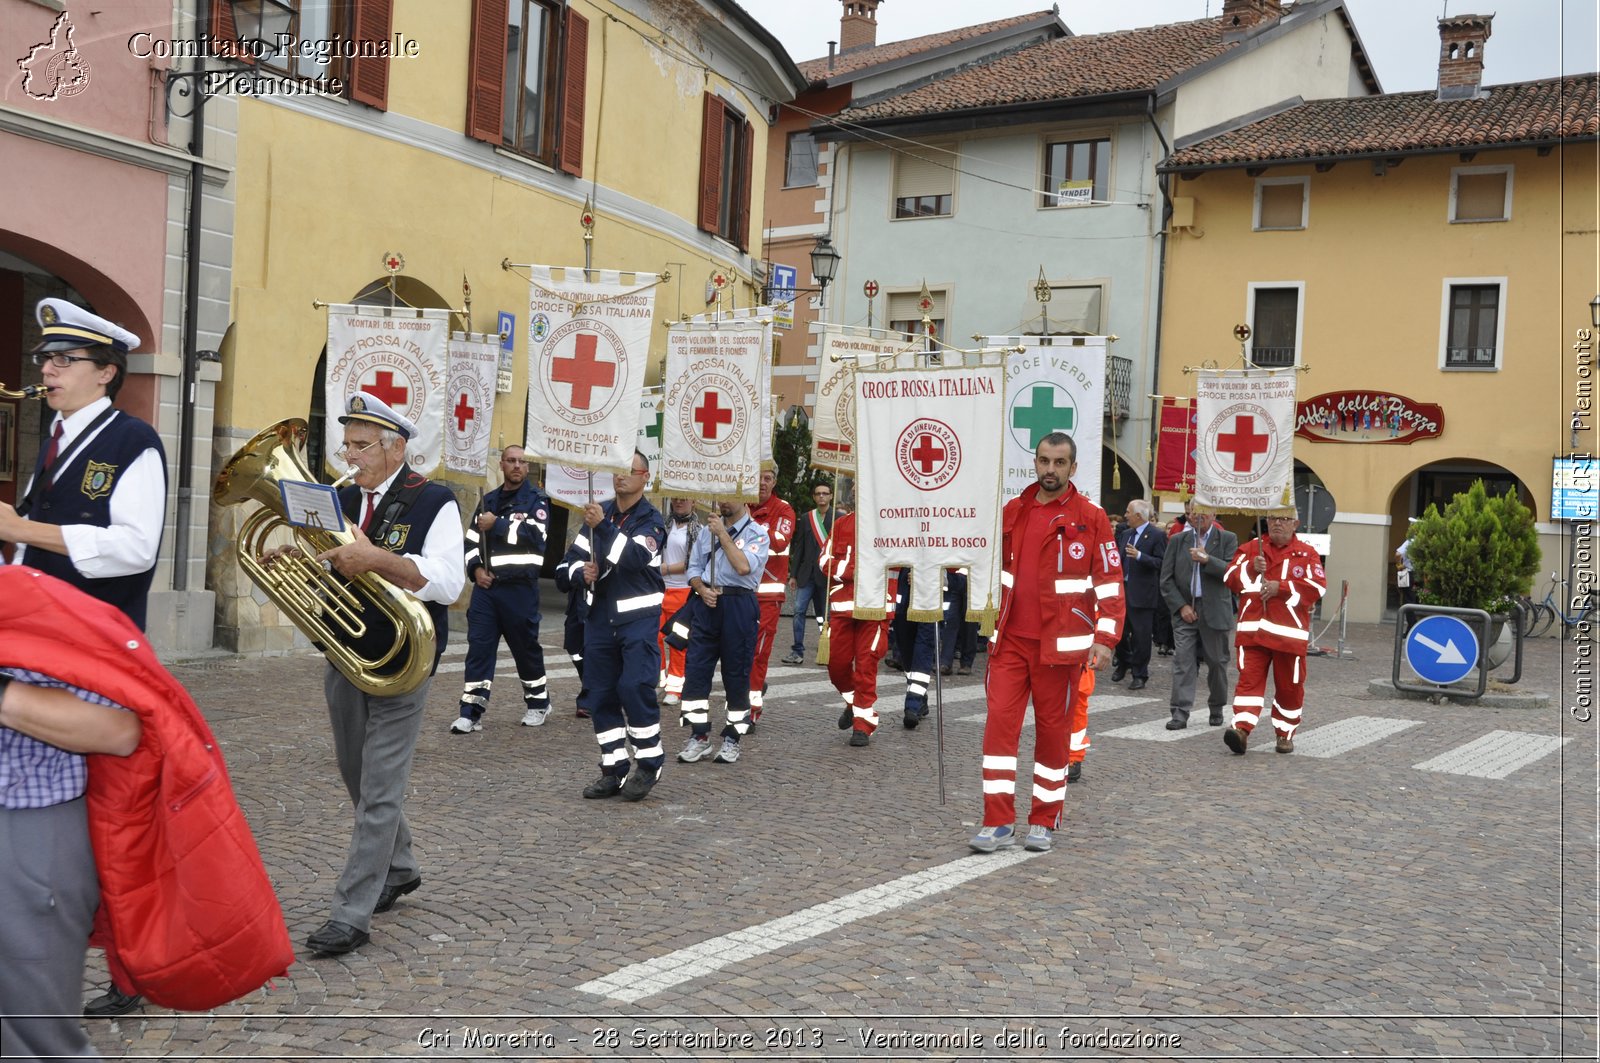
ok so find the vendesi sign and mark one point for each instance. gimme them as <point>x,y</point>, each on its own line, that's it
<point>1367,417</point>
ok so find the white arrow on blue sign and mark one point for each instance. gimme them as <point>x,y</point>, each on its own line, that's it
<point>1442,649</point>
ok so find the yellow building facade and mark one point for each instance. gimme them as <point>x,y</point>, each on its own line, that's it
<point>1450,262</point>
<point>604,106</point>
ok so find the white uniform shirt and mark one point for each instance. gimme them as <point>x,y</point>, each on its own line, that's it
<point>138,508</point>
<point>440,560</point>
<point>676,552</point>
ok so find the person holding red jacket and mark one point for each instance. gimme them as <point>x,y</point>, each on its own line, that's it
<point>1279,580</point>
<point>1061,610</point>
<point>854,646</point>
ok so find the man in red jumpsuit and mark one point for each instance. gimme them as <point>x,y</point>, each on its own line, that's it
<point>1061,610</point>
<point>777,516</point>
<point>1279,579</point>
<point>854,646</point>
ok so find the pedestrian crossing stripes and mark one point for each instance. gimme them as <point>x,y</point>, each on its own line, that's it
<point>1495,755</point>
<point>637,981</point>
<point>1098,703</point>
<point>1156,730</point>
<point>1342,736</point>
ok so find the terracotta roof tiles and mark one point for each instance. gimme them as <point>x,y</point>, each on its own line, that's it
<point>1401,122</point>
<point>862,58</point>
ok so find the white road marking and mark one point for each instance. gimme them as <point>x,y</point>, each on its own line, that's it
<point>640,980</point>
<point>1495,755</point>
<point>1156,730</point>
<point>1097,703</point>
<point>1332,739</point>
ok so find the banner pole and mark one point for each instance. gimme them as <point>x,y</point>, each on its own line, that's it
<point>938,684</point>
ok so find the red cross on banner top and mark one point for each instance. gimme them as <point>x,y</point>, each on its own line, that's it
<point>399,355</point>
<point>588,345</point>
<point>1245,427</point>
<point>474,369</point>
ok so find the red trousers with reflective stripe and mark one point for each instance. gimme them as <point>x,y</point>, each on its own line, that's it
<point>1015,673</point>
<point>766,635</point>
<point>1078,717</point>
<point>673,659</point>
<point>1288,689</point>
<point>854,649</point>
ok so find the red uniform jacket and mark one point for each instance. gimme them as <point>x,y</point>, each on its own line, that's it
<point>187,914</point>
<point>1284,623</point>
<point>1081,601</point>
<point>838,564</point>
<point>777,516</point>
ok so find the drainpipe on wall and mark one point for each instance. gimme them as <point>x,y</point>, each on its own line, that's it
<point>1161,270</point>
<point>191,330</point>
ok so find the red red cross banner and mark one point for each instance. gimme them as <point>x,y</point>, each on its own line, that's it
<point>588,342</point>
<point>1246,436</point>
<point>469,414</point>
<point>928,484</point>
<point>1054,384</point>
<point>400,356</point>
<point>711,434</point>
<point>833,422</point>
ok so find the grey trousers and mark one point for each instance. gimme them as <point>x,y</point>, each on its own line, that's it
<point>373,741</point>
<point>1192,643</point>
<point>48,896</point>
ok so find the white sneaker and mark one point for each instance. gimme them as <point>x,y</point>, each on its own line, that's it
<point>699,746</point>
<point>728,753</point>
<point>672,700</point>
<point>534,717</point>
<point>1039,839</point>
<point>463,726</point>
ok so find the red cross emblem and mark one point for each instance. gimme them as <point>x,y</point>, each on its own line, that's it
<point>870,289</point>
<point>1244,442</point>
<point>928,454</point>
<point>384,388</point>
<point>464,412</point>
<point>584,371</point>
<point>710,415</point>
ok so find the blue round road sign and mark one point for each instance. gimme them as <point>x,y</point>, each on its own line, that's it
<point>1442,649</point>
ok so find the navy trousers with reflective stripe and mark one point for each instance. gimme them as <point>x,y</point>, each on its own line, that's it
<point>621,666</point>
<point>510,610</point>
<point>726,634</point>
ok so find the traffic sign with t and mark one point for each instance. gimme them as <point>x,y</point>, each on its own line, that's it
<point>1042,416</point>
<point>584,371</point>
<point>1442,649</point>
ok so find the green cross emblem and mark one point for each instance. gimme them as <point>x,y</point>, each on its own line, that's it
<point>1042,416</point>
<point>654,428</point>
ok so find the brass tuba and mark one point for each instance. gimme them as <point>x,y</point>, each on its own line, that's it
<point>379,637</point>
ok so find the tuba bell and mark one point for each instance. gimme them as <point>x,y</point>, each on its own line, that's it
<point>378,636</point>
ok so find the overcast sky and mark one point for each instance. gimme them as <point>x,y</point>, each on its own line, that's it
<point>1530,39</point>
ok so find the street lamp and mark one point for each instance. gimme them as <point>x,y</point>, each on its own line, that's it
<point>260,27</point>
<point>825,263</point>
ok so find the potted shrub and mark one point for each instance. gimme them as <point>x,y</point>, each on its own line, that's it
<point>1480,553</point>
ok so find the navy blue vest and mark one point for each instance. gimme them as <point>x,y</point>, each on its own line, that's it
<point>81,494</point>
<point>400,523</point>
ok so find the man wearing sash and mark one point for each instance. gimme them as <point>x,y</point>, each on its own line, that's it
<point>407,531</point>
<point>810,583</point>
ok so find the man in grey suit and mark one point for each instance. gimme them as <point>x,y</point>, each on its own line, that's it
<point>1202,612</point>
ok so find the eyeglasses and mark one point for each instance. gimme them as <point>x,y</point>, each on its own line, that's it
<point>60,361</point>
<point>1279,520</point>
<point>350,450</point>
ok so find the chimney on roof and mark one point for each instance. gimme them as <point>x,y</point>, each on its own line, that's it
<point>1461,41</point>
<point>1239,17</point>
<point>858,27</point>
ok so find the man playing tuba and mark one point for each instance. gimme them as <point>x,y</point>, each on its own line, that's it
<point>407,531</point>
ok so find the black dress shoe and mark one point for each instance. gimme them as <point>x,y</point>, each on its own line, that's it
<point>390,894</point>
<point>946,669</point>
<point>1137,684</point>
<point>859,738</point>
<point>965,669</point>
<point>334,938</point>
<point>111,1003</point>
<point>1118,673</point>
<point>1074,772</point>
<point>605,786</point>
<point>1216,719</point>
<point>639,782</point>
<point>1176,724</point>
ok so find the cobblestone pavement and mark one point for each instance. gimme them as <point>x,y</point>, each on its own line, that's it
<point>1416,880</point>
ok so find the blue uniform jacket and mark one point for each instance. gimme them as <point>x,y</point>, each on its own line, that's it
<point>628,551</point>
<point>516,542</point>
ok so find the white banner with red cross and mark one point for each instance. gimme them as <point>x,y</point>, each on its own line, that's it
<point>767,316</point>
<point>570,486</point>
<point>469,418</point>
<point>711,436</point>
<point>928,493</point>
<point>833,422</point>
<point>1246,436</point>
<point>588,342</point>
<point>398,355</point>
<point>1054,384</point>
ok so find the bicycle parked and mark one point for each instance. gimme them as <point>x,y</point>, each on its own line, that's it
<point>1542,615</point>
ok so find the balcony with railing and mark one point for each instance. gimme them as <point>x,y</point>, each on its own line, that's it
<point>1273,357</point>
<point>1119,389</point>
<point>1469,357</point>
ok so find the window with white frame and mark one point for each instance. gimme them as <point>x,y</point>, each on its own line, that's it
<point>1282,202</point>
<point>925,182</point>
<point>1472,325</point>
<point>1480,193</point>
<point>1275,323</point>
